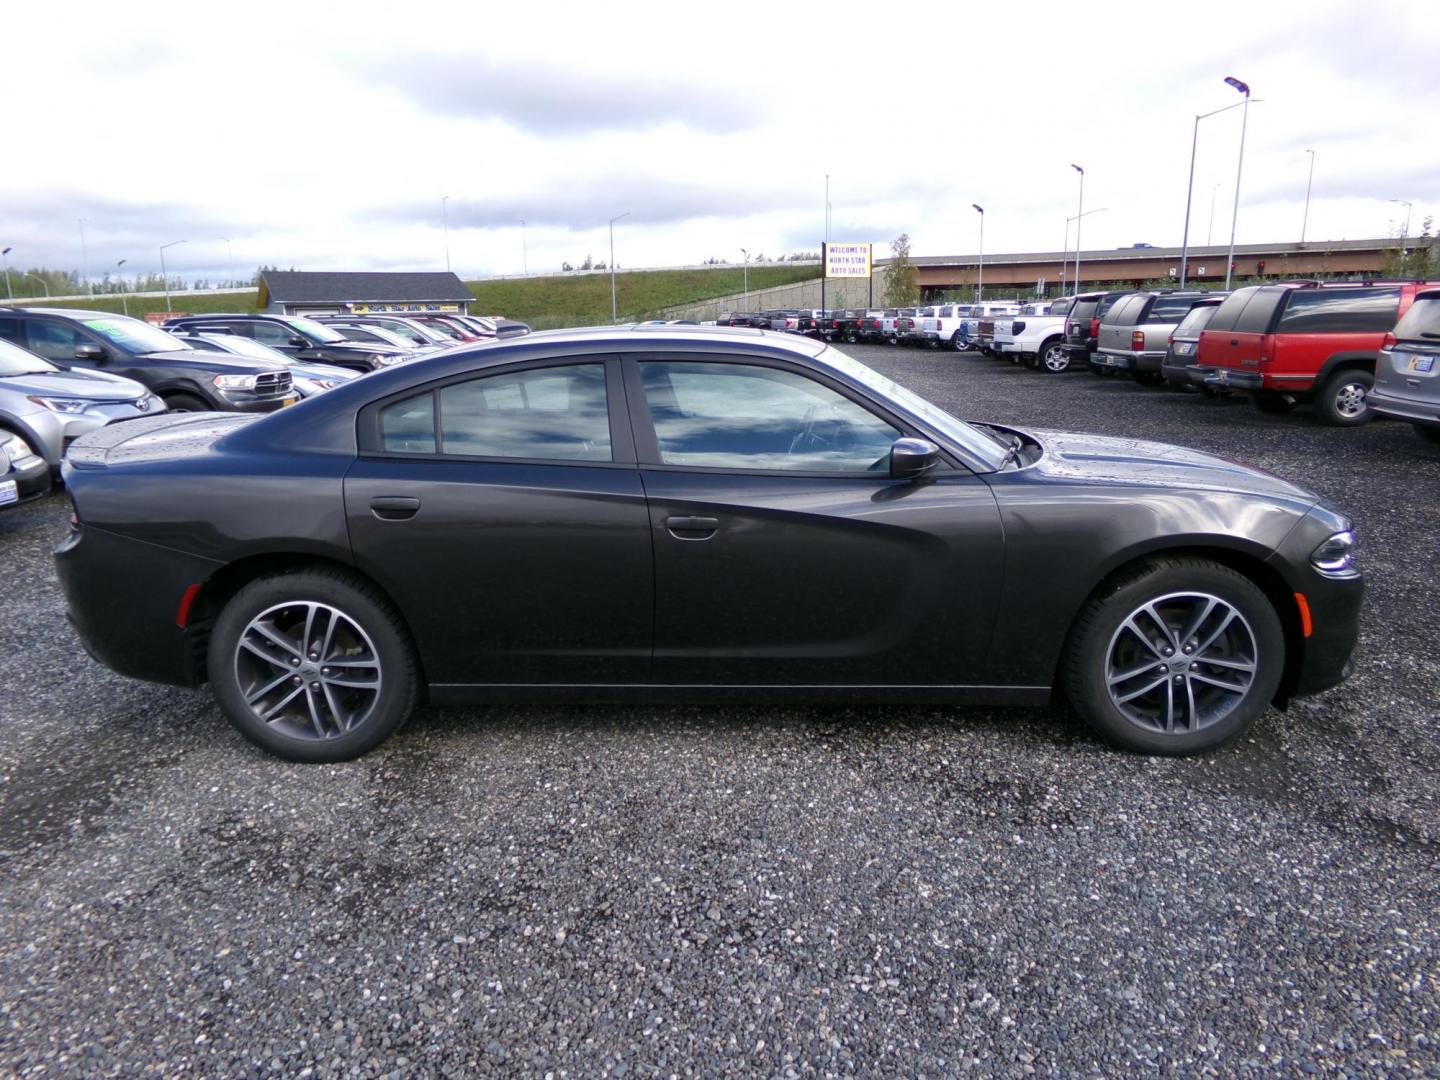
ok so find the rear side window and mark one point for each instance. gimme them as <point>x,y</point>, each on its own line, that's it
<point>1108,302</point>
<point>1083,309</point>
<point>1169,309</point>
<point>1340,311</point>
<point>1061,307</point>
<point>1259,313</point>
<point>1421,321</point>
<point>1128,311</point>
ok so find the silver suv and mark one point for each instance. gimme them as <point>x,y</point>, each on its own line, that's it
<point>1135,333</point>
<point>1407,372</point>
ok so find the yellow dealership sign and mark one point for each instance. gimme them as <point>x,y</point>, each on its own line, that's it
<point>847,260</point>
<point>404,309</point>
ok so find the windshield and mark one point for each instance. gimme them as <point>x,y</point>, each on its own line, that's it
<point>17,361</point>
<point>1193,323</point>
<point>316,332</point>
<point>133,336</point>
<point>1422,320</point>
<point>412,333</point>
<point>962,434</point>
<point>244,346</point>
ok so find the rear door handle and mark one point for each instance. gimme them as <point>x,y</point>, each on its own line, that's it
<point>1234,341</point>
<point>394,507</point>
<point>692,528</point>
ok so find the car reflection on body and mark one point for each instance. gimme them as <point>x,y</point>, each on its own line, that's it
<point>691,514</point>
<point>307,376</point>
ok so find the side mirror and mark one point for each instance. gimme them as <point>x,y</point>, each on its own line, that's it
<point>300,342</point>
<point>912,458</point>
<point>90,352</point>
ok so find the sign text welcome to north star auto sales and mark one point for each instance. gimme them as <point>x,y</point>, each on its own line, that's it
<point>847,260</point>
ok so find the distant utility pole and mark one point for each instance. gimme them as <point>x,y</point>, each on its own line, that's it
<point>614,314</point>
<point>124,301</point>
<point>1306,219</point>
<point>85,259</point>
<point>5,261</point>
<point>524,255</point>
<point>445,224</point>
<point>1079,219</point>
<point>980,274</point>
<point>744,276</point>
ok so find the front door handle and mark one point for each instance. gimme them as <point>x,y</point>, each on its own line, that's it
<point>1234,341</point>
<point>394,507</point>
<point>692,528</point>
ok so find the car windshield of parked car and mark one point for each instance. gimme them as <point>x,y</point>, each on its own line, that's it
<point>316,332</point>
<point>17,361</point>
<point>1197,320</point>
<point>1422,320</point>
<point>986,447</point>
<point>133,336</point>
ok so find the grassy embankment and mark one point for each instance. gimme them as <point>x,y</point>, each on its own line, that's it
<point>543,302</point>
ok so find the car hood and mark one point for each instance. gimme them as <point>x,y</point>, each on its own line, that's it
<point>91,385</point>
<point>205,358</point>
<point>370,348</point>
<point>303,369</point>
<point>1101,459</point>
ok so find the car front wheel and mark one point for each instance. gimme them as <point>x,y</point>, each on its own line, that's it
<point>1342,399</point>
<point>313,665</point>
<point>1053,358</point>
<point>1179,656</point>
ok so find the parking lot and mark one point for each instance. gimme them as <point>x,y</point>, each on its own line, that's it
<point>585,891</point>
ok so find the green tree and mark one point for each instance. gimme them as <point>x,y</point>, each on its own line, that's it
<point>902,288</point>
<point>1414,256</point>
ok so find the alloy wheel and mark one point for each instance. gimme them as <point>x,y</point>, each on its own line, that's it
<point>308,670</point>
<point>1181,663</point>
<point>1055,359</point>
<point>1350,400</point>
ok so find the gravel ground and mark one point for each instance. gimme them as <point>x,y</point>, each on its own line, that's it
<point>592,891</point>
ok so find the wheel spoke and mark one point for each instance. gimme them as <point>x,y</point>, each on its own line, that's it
<point>315,714</point>
<point>273,710</point>
<point>1192,627</point>
<point>1228,662</point>
<point>1149,609</point>
<point>329,636</point>
<point>1133,694</point>
<point>1234,688</point>
<point>271,634</point>
<point>1117,677</point>
<point>1215,634</point>
<point>1169,706</point>
<point>1134,627</point>
<point>254,696</point>
<point>1191,715</point>
<point>342,718</point>
<point>264,654</point>
<point>307,635</point>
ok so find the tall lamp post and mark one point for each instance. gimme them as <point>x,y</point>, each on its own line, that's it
<point>124,300</point>
<point>614,314</point>
<point>745,277</point>
<point>229,255</point>
<point>165,277</point>
<point>980,272</point>
<point>1190,188</point>
<point>1079,216</point>
<point>84,260</point>
<point>1306,219</point>
<point>1210,229</point>
<point>40,279</point>
<point>5,261</point>
<point>1408,204</point>
<point>1065,261</point>
<point>1243,88</point>
<point>524,252</point>
<point>445,224</point>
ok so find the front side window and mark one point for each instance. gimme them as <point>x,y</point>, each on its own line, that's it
<point>550,414</point>
<point>55,340</point>
<point>739,416</point>
<point>276,335</point>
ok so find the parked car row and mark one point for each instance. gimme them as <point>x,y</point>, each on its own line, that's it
<point>1350,349</point>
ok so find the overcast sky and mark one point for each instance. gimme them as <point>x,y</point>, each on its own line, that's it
<point>325,137</point>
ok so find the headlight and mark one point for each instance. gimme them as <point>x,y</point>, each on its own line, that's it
<point>389,360</point>
<point>234,382</point>
<point>1336,556</point>
<point>15,447</point>
<point>62,405</point>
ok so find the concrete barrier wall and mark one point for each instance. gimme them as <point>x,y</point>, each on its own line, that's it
<point>801,294</point>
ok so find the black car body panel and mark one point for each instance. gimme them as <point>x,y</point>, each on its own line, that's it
<point>357,356</point>
<point>535,580</point>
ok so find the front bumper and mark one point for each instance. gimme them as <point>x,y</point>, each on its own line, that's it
<point>239,401</point>
<point>32,480</point>
<point>1416,410</point>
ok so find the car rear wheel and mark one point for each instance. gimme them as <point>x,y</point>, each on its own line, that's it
<point>1342,399</point>
<point>1053,358</point>
<point>312,665</point>
<point>1178,656</point>
<point>187,403</point>
<point>958,343</point>
<point>1268,401</point>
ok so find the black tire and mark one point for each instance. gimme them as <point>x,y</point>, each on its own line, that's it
<point>851,337</point>
<point>187,403</point>
<point>1341,401</point>
<point>1148,378</point>
<point>1102,634</point>
<point>1429,432</point>
<point>959,344</point>
<point>305,735</point>
<point>1268,401</point>
<point>1052,357</point>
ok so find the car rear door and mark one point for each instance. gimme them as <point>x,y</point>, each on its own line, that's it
<point>504,513</point>
<point>1321,325</point>
<point>784,553</point>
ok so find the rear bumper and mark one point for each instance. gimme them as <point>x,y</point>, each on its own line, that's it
<point>1118,361</point>
<point>1227,378</point>
<point>1415,410</point>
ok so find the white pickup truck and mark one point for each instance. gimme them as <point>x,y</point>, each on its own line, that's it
<point>1035,335</point>
<point>968,317</point>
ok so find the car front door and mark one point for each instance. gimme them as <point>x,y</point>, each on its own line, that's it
<point>784,553</point>
<point>504,513</point>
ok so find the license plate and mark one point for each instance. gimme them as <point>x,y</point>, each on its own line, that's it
<point>1184,348</point>
<point>9,492</point>
<point>1222,376</point>
<point>1422,363</point>
<point>288,401</point>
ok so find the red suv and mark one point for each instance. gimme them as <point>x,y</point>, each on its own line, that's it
<point>1303,341</point>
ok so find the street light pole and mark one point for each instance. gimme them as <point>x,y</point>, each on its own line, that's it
<point>40,279</point>
<point>745,277</point>
<point>980,273</point>
<point>5,261</point>
<point>1243,88</point>
<point>524,254</point>
<point>1304,221</point>
<point>1079,215</point>
<point>229,255</point>
<point>165,277</point>
<point>1408,204</point>
<point>84,260</point>
<point>1210,229</point>
<point>1190,189</point>
<point>445,224</point>
<point>614,313</point>
<point>124,301</point>
<point>1075,217</point>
